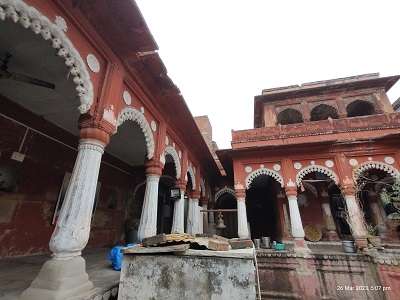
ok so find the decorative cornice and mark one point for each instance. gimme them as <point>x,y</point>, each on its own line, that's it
<point>316,168</point>
<point>169,150</point>
<point>29,17</point>
<point>374,165</point>
<point>130,113</point>
<point>263,171</point>
<point>324,127</point>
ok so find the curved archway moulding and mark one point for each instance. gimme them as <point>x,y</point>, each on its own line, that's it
<point>368,165</point>
<point>263,171</point>
<point>29,17</point>
<point>129,113</point>
<point>169,150</point>
<point>316,168</point>
<point>192,177</point>
<point>222,191</point>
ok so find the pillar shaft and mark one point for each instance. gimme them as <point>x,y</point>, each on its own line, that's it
<point>295,218</point>
<point>192,219</point>
<point>178,223</point>
<point>64,276</point>
<point>243,230</point>
<point>205,218</point>
<point>73,225</point>
<point>355,217</point>
<point>200,220</point>
<point>148,219</point>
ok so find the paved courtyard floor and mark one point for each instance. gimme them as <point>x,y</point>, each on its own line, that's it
<point>17,273</point>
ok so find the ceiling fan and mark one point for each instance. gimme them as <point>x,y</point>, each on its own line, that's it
<point>5,74</point>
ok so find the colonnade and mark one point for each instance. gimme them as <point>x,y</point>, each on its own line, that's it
<point>355,216</point>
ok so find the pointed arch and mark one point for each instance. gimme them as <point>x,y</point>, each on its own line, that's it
<point>316,168</point>
<point>368,165</point>
<point>263,171</point>
<point>169,150</point>
<point>30,18</point>
<point>202,187</point>
<point>132,114</point>
<point>192,177</point>
<point>225,190</point>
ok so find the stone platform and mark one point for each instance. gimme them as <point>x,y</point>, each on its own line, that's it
<point>17,273</point>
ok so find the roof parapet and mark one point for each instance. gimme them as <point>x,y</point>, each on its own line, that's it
<point>321,83</point>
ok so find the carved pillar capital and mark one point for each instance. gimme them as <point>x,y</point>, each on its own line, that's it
<point>195,195</point>
<point>153,167</point>
<point>240,194</point>
<point>97,134</point>
<point>347,186</point>
<point>181,184</point>
<point>291,191</point>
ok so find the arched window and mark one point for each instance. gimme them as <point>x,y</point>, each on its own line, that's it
<point>290,116</point>
<point>323,112</point>
<point>360,108</point>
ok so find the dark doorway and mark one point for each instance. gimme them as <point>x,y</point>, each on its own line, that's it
<point>262,211</point>
<point>228,201</point>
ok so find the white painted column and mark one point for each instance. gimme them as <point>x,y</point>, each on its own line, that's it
<point>178,222</point>
<point>200,220</point>
<point>192,220</point>
<point>73,225</point>
<point>64,276</point>
<point>205,218</point>
<point>295,218</point>
<point>356,217</point>
<point>243,230</point>
<point>148,219</point>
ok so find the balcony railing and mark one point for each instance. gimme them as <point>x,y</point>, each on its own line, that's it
<point>324,127</point>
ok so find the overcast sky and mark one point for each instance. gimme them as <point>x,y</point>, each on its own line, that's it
<point>221,53</point>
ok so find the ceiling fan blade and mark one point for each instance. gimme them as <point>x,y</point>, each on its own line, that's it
<point>31,80</point>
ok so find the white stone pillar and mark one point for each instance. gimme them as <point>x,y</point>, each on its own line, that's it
<point>64,276</point>
<point>73,225</point>
<point>200,220</point>
<point>148,218</point>
<point>178,222</point>
<point>356,218</point>
<point>295,218</point>
<point>205,218</point>
<point>193,216</point>
<point>243,230</point>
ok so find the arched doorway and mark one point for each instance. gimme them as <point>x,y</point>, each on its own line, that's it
<point>133,144</point>
<point>165,210</point>
<point>188,192</point>
<point>375,181</point>
<point>226,199</point>
<point>262,208</point>
<point>41,103</point>
<point>322,204</point>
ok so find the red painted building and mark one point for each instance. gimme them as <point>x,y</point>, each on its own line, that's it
<point>95,137</point>
<point>318,160</point>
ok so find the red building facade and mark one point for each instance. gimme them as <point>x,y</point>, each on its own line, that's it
<point>320,158</point>
<point>94,136</point>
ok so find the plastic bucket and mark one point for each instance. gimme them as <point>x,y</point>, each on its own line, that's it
<point>265,242</point>
<point>348,246</point>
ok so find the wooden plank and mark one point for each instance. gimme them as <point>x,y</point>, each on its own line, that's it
<point>155,250</point>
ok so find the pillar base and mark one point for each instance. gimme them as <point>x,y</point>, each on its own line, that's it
<point>60,279</point>
<point>361,243</point>
<point>300,245</point>
<point>331,235</point>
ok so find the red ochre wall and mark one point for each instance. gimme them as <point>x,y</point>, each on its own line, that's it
<point>26,213</point>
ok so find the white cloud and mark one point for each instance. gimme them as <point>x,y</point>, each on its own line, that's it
<point>223,53</point>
